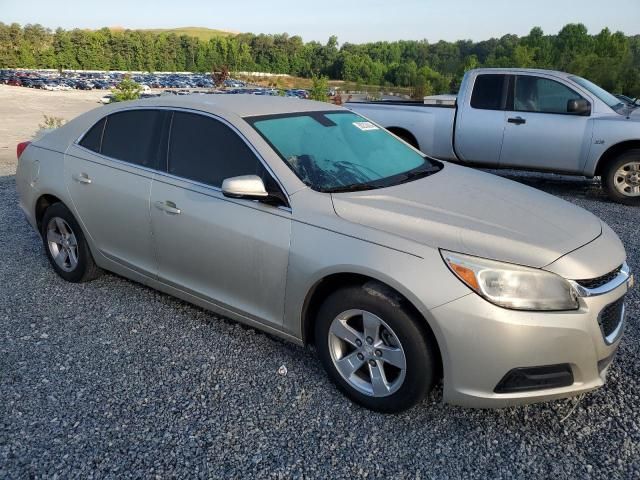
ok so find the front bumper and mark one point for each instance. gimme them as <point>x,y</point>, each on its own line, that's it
<point>481,343</point>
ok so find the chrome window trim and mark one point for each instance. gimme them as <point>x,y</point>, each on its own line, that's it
<point>623,276</point>
<point>187,110</point>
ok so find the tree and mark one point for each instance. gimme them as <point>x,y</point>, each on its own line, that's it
<point>127,89</point>
<point>607,58</point>
<point>320,89</point>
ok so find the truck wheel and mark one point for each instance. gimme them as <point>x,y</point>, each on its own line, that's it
<point>374,350</point>
<point>621,178</point>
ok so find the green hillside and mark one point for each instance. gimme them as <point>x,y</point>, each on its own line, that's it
<point>200,32</point>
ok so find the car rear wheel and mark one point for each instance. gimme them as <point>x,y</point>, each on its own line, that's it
<point>374,348</point>
<point>66,247</point>
<point>621,178</point>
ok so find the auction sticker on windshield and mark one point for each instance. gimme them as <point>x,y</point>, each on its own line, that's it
<point>365,126</point>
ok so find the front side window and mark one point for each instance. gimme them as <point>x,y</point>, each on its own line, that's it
<point>488,92</point>
<point>340,151</point>
<point>135,136</point>
<point>611,100</point>
<point>537,94</point>
<point>207,151</point>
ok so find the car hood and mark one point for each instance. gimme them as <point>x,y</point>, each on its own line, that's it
<point>472,212</point>
<point>635,114</point>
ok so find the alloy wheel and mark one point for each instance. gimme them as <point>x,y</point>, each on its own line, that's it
<point>367,353</point>
<point>63,245</point>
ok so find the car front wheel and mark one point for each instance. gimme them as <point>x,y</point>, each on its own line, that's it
<point>374,348</point>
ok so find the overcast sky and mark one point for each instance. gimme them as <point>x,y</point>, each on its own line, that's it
<point>351,21</point>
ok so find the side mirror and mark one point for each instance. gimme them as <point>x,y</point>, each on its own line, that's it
<point>250,187</point>
<point>579,106</point>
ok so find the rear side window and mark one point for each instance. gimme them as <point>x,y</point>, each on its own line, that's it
<point>488,92</point>
<point>207,151</point>
<point>135,136</point>
<point>93,137</point>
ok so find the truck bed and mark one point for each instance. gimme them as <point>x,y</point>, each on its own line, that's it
<point>430,125</point>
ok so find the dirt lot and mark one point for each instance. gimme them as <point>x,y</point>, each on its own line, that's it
<point>22,109</point>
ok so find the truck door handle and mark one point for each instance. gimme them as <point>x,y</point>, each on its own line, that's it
<point>82,178</point>
<point>517,120</point>
<point>168,207</point>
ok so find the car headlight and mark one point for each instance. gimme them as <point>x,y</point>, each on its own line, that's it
<point>512,286</point>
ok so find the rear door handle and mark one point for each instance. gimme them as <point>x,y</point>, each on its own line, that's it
<point>168,207</point>
<point>82,178</point>
<point>517,120</point>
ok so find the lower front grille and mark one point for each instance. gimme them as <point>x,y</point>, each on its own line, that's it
<point>610,319</point>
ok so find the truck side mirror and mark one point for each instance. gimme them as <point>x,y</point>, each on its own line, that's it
<point>579,106</point>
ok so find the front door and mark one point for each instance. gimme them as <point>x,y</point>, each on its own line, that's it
<point>539,131</point>
<point>231,252</point>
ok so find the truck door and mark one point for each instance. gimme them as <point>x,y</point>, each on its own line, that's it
<point>480,123</point>
<point>541,133</point>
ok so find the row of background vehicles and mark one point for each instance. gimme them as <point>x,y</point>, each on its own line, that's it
<point>180,82</point>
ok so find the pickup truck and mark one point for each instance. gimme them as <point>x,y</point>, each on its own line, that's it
<point>525,119</point>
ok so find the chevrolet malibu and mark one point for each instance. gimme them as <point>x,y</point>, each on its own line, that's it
<point>310,222</point>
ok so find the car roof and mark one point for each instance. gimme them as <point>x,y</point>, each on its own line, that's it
<point>530,71</point>
<point>240,105</point>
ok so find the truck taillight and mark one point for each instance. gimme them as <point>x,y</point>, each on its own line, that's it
<point>20,148</point>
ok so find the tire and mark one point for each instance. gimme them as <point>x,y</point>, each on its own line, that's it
<point>621,178</point>
<point>58,219</point>
<point>399,332</point>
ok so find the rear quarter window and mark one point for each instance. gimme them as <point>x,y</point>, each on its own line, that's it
<point>93,138</point>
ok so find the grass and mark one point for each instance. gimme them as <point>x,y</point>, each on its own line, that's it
<point>199,32</point>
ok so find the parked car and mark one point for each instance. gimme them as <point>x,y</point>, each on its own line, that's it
<point>527,119</point>
<point>307,221</point>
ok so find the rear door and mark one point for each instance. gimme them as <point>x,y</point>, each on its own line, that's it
<point>481,118</point>
<point>229,251</point>
<point>108,175</point>
<point>540,133</point>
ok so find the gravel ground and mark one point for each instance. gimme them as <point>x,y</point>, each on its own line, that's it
<point>113,380</point>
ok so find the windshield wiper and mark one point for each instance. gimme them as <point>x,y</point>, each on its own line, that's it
<point>420,172</point>
<point>356,187</point>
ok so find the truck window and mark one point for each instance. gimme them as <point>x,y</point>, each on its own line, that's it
<point>537,94</point>
<point>488,91</point>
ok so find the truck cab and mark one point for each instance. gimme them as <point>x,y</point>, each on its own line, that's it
<point>527,119</point>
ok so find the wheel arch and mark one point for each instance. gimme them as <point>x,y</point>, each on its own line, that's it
<point>405,135</point>
<point>332,282</point>
<point>614,152</point>
<point>44,202</point>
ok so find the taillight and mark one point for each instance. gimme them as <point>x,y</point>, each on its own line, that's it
<point>20,148</point>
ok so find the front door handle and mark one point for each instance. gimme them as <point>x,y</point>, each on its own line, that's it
<point>517,120</point>
<point>82,178</point>
<point>168,207</point>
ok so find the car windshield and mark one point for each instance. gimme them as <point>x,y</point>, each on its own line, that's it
<point>341,151</point>
<point>599,92</point>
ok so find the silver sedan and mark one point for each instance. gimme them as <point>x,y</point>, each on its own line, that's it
<point>308,221</point>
